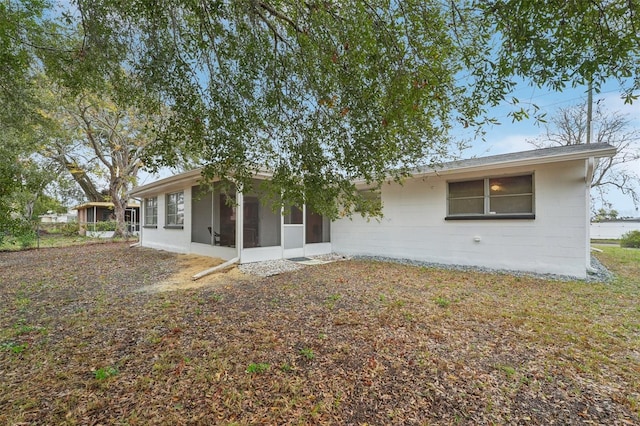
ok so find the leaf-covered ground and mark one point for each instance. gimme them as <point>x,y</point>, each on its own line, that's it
<point>85,338</point>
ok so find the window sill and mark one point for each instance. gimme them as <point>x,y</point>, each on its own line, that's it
<point>492,217</point>
<point>173,227</point>
<point>150,226</point>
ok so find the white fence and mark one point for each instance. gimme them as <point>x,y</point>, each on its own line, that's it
<point>612,230</point>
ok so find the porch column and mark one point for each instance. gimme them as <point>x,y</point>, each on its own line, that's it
<point>239,222</point>
<point>590,165</point>
<point>281,230</point>
<point>304,227</point>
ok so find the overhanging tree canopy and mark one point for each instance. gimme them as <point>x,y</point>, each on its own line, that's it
<point>320,94</point>
<point>560,43</point>
<point>324,92</point>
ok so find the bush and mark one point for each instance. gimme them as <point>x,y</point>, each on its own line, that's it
<point>103,226</point>
<point>24,234</point>
<point>26,238</point>
<point>70,229</point>
<point>630,239</point>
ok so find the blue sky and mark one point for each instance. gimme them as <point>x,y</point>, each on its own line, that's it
<point>513,137</point>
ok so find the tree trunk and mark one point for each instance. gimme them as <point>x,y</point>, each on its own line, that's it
<point>119,206</point>
<point>80,176</point>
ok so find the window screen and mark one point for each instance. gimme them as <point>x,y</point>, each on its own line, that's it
<point>507,195</point>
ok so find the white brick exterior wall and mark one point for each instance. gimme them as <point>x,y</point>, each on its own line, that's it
<point>414,225</point>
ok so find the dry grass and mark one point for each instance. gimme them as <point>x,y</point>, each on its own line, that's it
<point>52,240</point>
<point>344,343</point>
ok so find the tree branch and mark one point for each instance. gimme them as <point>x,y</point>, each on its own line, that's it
<point>280,15</point>
<point>88,128</point>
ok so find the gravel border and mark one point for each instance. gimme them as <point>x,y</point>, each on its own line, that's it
<point>268,268</point>
<point>275,267</point>
<point>601,274</point>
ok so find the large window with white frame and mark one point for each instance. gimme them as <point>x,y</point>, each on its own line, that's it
<point>175,210</point>
<point>151,212</point>
<point>501,197</point>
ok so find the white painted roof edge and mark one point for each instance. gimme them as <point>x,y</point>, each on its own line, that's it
<point>514,159</point>
<point>522,158</point>
<point>178,181</point>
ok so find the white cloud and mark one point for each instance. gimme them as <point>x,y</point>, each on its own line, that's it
<point>614,102</point>
<point>513,142</point>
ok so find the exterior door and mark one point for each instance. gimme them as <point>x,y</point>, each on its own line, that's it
<point>251,222</point>
<point>293,233</point>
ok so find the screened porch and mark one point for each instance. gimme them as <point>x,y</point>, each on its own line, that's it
<point>252,226</point>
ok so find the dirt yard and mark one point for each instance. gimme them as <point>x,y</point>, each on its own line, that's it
<point>107,334</point>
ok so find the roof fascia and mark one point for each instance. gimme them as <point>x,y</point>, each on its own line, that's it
<point>171,182</point>
<point>107,204</point>
<point>193,176</point>
<point>179,181</point>
<point>524,162</point>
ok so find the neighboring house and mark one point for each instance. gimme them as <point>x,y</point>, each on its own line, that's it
<point>613,229</point>
<point>526,211</point>
<point>92,213</point>
<point>51,217</point>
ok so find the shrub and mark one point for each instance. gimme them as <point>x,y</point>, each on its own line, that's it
<point>630,239</point>
<point>104,226</point>
<point>26,239</point>
<point>70,229</point>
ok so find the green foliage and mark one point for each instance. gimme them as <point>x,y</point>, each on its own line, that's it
<point>370,202</point>
<point>21,327</point>
<point>14,347</point>
<point>97,139</point>
<point>26,239</point>
<point>506,369</point>
<point>319,93</point>
<point>603,214</point>
<point>22,302</point>
<point>12,151</point>
<point>69,229</point>
<point>22,184</point>
<point>443,302</point>
<point>105,373</point>
<point>630,239</point>
<point>49,240</point>
<point>286,368</point>
<point>21,27</point>
<point>105,226</point>
<point>569,43</point>
<point>20,233</point>
<point>307,353</point>
<point>258,368</point>
<point>331,300</point>
<point>215,297</point>
<point>327,96</point>
<point>46,203</point>
<point>21,179</point>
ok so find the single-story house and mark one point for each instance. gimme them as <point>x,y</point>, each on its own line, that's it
<point>92,213</point>
<point>526,211</point>
<point>51,217</point>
